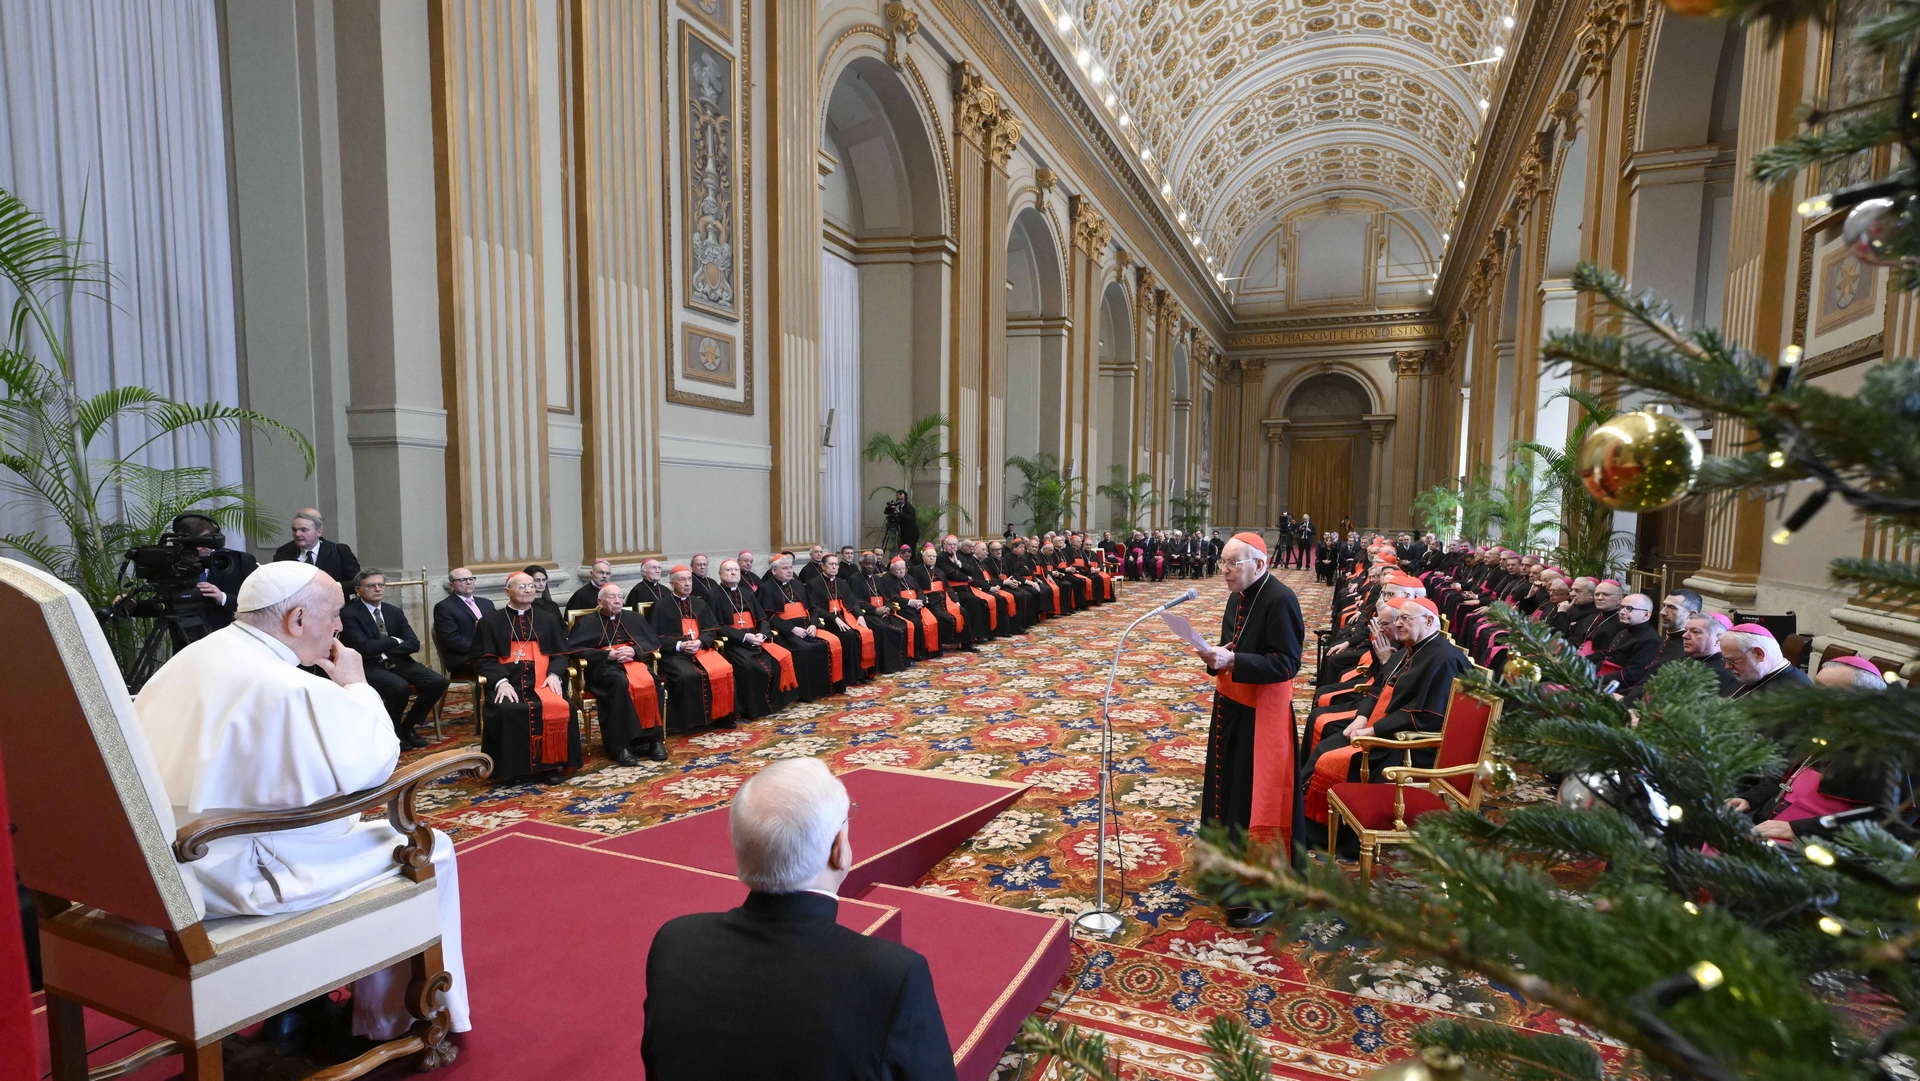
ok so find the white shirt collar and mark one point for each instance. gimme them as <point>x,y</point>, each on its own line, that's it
<point>371,607</point>
<point>278,647</point>
<point>823,893</point>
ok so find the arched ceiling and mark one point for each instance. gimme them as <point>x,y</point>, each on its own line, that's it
<point>1241,109</point>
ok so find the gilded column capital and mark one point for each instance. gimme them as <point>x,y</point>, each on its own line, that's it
<point>1003,136</point>
<point>1090,231</point>
<point>1046,180</point>
<point>1124,258</point>
<point>1410,362</point>
<point>1147,282</point>
<point>1169,305</point>
<point>976,105</point>
<point>1599,32</point>
<point>902,23</point>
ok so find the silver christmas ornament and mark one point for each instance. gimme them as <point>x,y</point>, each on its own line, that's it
<point>1577,791</point>
<point>1869,229</point>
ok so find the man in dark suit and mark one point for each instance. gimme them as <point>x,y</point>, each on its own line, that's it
<point>308,546</point>
<point>454,620</point>
<point>378,631</point>
<point>219,584</point>
<point>776,988</point>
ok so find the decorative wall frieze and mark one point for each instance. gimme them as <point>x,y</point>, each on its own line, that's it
<point>1338,335</point>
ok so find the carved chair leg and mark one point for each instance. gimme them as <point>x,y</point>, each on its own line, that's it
<point>203,1063</point>
<point>67,1038</point>
<point>430,978</point>
<point>1366,858</point>
<point>1333,836</point>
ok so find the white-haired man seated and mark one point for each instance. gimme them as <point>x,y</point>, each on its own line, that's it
<point>776,988</point>
<point>1789,806</point>
<point>234,724</point>
<point>1753,656</point>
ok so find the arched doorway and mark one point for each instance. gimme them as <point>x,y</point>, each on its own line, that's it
<point>1036,350</point>
<point>884,286</point>
<point>1327,449</point>
<point>1115,407</point>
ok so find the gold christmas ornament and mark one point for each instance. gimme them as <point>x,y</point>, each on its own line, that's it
<point>1497,776</point>
<point>1431,1064</point>
<point>1520,670</point>
<point>1640,461</point>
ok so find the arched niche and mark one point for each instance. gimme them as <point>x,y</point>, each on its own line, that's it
<point>1320,449</point>
<point>884,284</point>
<point>1114,409</point>
<point>1036,348</point>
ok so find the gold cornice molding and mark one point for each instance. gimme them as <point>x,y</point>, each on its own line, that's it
<point>1336,335</point>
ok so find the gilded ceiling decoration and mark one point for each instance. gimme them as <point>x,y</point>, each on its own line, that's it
<point>1241,109</point>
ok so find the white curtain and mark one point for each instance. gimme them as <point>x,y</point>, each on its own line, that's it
<point>112,111</point>
<point>840,396</point>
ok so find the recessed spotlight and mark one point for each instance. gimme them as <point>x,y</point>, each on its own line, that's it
<point>1209,260</point>
<point>1183,217</point>
<point>1146,153</point>
<point>1111,98</point>
<point>1098,75</point>
<point>1065,22</point>
<point>1461,184</point>
<point>1125,120</point>
<point>1499,51</point>
<point>1445,237</point>
<point>1485,104</point>
<point>1084,56</point>
<point>1506,21</point>
<point>1166,188</point>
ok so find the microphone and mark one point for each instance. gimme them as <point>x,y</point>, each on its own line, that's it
<point>1190,594</point>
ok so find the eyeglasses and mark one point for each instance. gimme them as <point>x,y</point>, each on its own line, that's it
<point>468,578</point>
<point>1238,562</point>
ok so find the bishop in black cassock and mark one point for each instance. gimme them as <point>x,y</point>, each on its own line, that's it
<point>819,658</point>
<point>521,651</point>
<point>697,679</point>
<point>1249,771</point>
<point>616,647</point>
<point>858,588</point>
<point>764,679</point>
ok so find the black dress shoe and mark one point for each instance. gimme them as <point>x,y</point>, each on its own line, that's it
<point>1244,918</point>
<point>552,776</point>
<point>625,757</point>
<point>658,751</point>
<point>287,1031</point>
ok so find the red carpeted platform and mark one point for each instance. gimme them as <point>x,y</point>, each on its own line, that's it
<point>906,822</point>
<point>556,939</point>
<point>992,967</point>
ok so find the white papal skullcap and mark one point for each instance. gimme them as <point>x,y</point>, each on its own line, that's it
<point>273,583</point>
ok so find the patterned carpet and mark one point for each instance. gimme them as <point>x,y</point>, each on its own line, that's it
<point>1028,709</point>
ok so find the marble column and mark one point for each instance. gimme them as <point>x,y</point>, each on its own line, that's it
<point>793,236</point>
<point>985,135</point>
<point>1377,424</point>
<point>1410,369</point>
<point>1277,479</point>
<point>1253,377</point>
<point>1758,259</point>
<point>1090,234</point>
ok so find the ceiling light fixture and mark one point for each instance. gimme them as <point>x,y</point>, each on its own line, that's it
<point>1146,152</point>
<point>1111,98</point>
<point>1485,104</point>
<point>1064,23</point>
<point>1098,75</point>
<point>1084,56</point>
<point>1183,217</point>
<point>1445,237</point>
<point>1166,188</point>
<point>1461,184</point>
<point>1506,21</point>
<point>1125,120</point>
<point>1499,52</point>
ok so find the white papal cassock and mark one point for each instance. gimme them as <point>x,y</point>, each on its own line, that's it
<point>236,725</point>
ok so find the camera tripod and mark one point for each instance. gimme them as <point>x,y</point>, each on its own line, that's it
<point>181,621</point>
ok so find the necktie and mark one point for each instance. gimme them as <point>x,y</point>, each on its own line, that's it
<point>472,607</point>
<point>379,623</point>
<point>309,558</point>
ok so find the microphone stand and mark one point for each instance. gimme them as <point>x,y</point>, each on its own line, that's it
<point>1101,920</point>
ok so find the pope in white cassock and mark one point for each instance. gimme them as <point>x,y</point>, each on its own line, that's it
<point>235,725</point>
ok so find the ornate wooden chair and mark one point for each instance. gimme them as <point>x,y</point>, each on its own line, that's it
<point>123,925</point>
<point>1381,812</point>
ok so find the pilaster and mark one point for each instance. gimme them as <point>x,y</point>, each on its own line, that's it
<point>793,235</point>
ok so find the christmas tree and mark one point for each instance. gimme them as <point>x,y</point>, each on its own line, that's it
<point>1702,949</point>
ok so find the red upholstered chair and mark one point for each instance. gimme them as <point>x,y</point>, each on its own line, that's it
<point>1381,812</point>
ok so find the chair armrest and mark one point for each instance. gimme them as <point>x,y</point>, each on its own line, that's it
<point>1397,744</point>
<point>1398,774</point>
<point>397,792</point>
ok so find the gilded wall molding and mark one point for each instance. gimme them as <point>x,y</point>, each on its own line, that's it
<point>1342,335</point>
<point>902,24</point>
<point>930,112</point>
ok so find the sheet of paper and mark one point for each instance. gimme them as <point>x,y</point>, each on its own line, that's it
<point>1180,626</point>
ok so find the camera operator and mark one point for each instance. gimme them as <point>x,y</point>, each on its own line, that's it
<point>901,520</point>
<point>223,569</point>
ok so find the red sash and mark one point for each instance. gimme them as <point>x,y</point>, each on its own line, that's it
<point>1273,735</point>
<point>788,678</point>
<point>1332,767</point>
<point>953,606</point>
<point>547,737</point>
<point>719,673</point>
<point>858,623</point>
<point>796,610</point>
<point>646,698</point>
<point>880,602</point>
<point>929,625</point>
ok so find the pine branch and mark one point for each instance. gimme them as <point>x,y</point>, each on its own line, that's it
<point>1515,1055</point>
<point>1837,141</point>
<point>1235,1051</point>
<point>1085,1055</point>
<point>1878,579</point>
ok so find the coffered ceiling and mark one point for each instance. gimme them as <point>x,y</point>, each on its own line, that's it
<point>1241,111</point>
